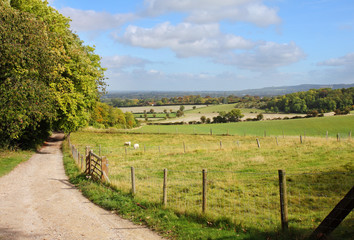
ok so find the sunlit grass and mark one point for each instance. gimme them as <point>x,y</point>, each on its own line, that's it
<point>10,159</point>
<point>307,127</point>
<point>242,178</point>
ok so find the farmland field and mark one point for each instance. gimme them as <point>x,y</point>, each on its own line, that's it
<point>159,109</point>
<point>242,178</point>
<point>293,127</point>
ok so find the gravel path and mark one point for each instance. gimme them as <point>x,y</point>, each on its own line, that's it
<point>38,202</point>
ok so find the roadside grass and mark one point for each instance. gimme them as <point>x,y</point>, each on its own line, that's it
<point>10,159</point>
<point>292,127</point>
<point>242,179</point>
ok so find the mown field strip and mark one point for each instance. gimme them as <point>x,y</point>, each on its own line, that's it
<point>293,127</point>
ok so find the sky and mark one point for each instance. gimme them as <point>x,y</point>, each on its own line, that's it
<point>216,45</point>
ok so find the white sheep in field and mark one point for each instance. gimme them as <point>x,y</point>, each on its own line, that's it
<point>136,146</point>
<point>127,144</point>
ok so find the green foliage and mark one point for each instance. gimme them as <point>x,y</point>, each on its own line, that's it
<point>106,116</point>
<point>234,115</point>
<point>26,65</point>
<point>321,100</point>
<point>55,79</point>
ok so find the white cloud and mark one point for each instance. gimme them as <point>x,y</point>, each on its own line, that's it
<point>121,62</point>
<point>344,61</point>
<point>185,39</point>
<point>265,56</point>
<point>89,20</point>
<point>210,11</point>
<point>337,70</point>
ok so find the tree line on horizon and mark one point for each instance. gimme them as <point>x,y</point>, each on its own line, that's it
<point>49,80</point>
<point>315,100</point>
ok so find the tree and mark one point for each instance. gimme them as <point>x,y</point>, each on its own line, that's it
<point>58,79</point>
<point>78,77</point>
<point>234,115</point>
<point>179,113</point>
<point>26,64</point>
<point>260,117</point>
<point>203,119</point>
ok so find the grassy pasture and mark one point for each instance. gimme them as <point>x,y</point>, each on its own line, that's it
<point>220,108</point>
<point>140,116</point>
<point>292,127</point>
<point>174,108</point>
<point>242,179</point>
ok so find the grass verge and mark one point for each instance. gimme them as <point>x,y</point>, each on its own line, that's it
<point>166,222</point>
<point>10,159</point>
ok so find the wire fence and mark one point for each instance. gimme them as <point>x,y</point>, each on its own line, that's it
<point>190,147</point>
<point>246,200</point>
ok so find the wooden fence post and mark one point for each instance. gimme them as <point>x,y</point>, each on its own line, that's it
<point>159,149</point>
<point>283,133</point>
<point>265,133</point>
<point>204,198</point>
<point>335,217</point>
<point>276,139</point>
<point>104,168</point>
<point>326,134</point>
<point>338,137</point>
<point>164,200</point>
<point>82,162</point>
<point>350,135</point>
<point>220,145</point>
<point>87,160</point>
<point>283,200</point>
<point>78,157</point>
<point>211,131</point>
<point>300,139</point>
<point>184,147</point>
<point>133,179</point>
<point>258,143</point>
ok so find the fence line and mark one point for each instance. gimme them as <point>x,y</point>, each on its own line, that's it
<point>185,147</point>
<point>246,199</point>
<point>95,166</point>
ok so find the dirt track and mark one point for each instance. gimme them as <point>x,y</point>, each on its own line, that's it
<point>38,202</point>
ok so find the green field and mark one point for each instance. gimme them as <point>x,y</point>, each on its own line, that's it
<point>242,178</point>
<point>151,115</point>
<point>292,127</point>
<point>222,107</point>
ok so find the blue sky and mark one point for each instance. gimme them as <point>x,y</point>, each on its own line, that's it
<point>196,45</point>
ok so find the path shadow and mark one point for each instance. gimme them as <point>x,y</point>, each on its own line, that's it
<point>64,181</point>
<point>11,234</point>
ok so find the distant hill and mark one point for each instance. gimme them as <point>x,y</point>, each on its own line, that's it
<point>268,91</point>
